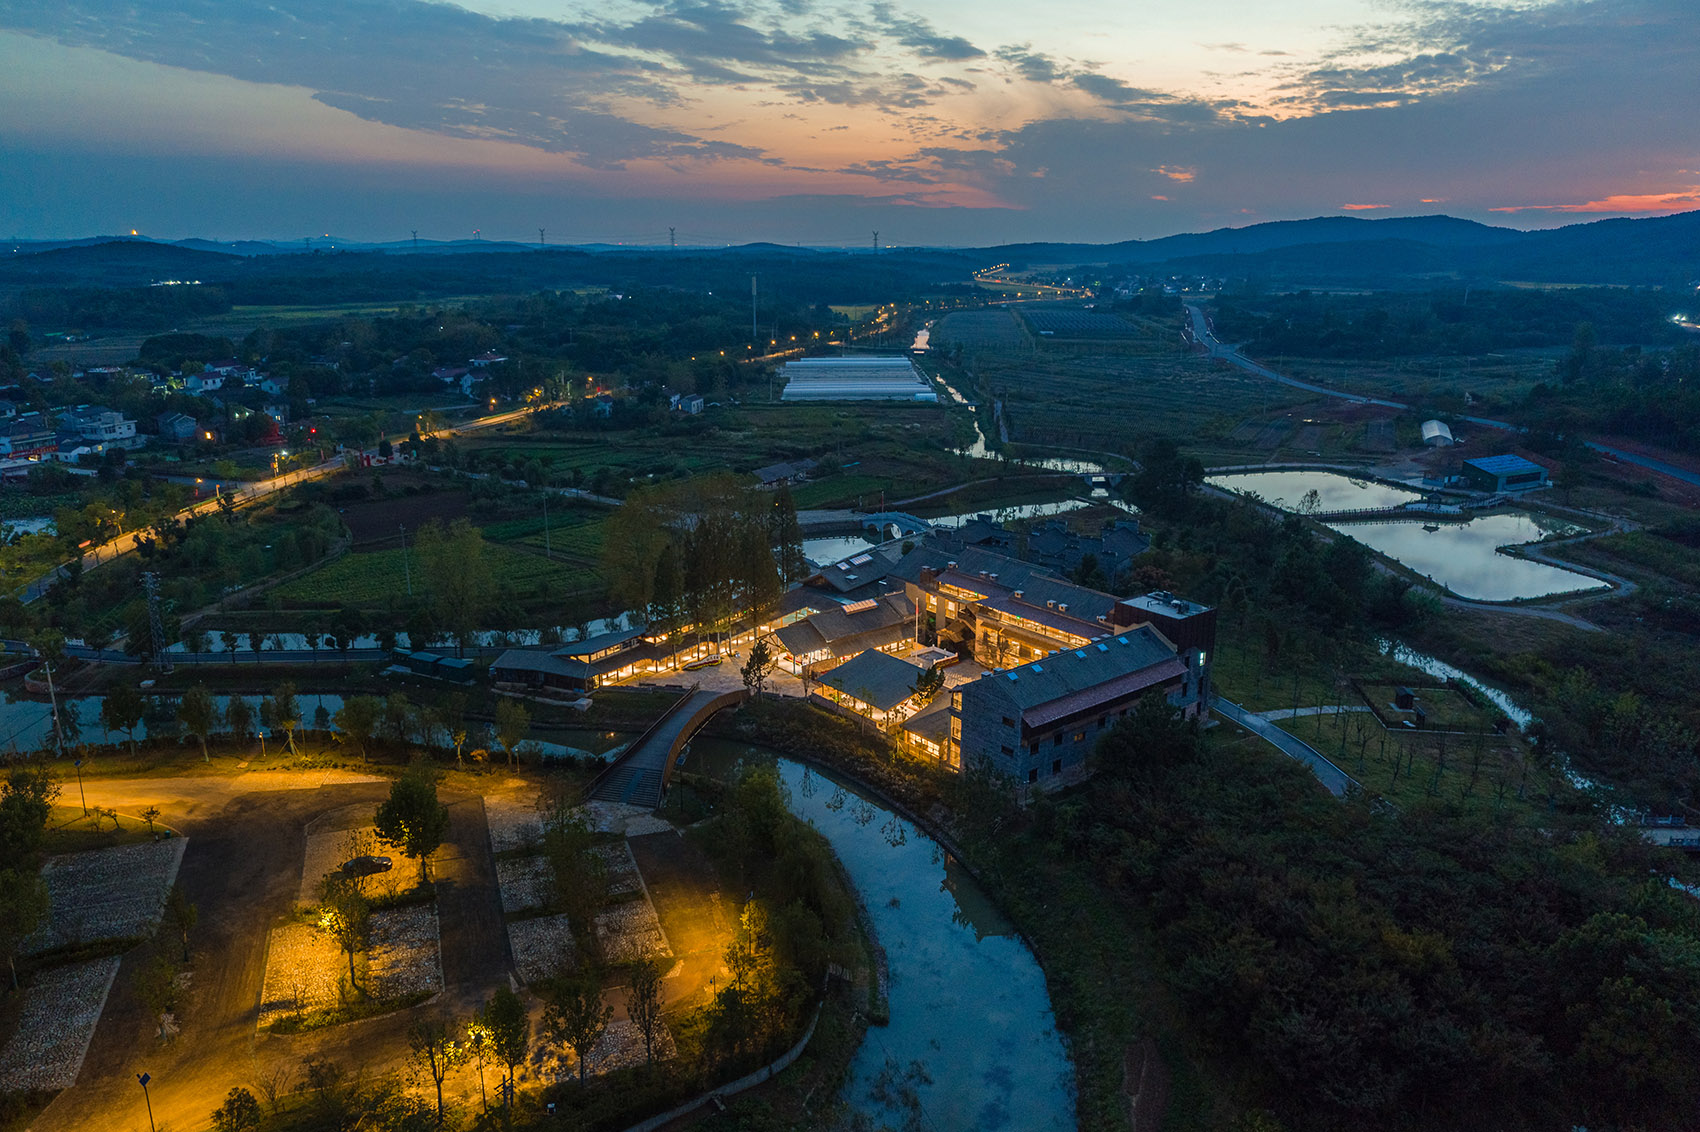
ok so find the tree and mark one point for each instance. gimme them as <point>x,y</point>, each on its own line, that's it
<point>575,1016</point>
<point>643,1003</point>
<point>26,799</point>
<point>435,1052</point>
<point>787,535</point>
<point>23,906</point>
<point>456,574</point>
<point>239,718</point>
<point>510,1028</point>
<point>150,815</point>
<point>122,710</point>
<point>481,1048</point>
<point>196,712</point>
<point>759,666</point>
<point>412,819</point>
<point>929,683</point>
<point>285,712</point>
<point>512,724</point>
<point>568,845</point>
<point>345,916</point>
<point>180,916</point>
<point>358,719</point>
<point>240,1112</point>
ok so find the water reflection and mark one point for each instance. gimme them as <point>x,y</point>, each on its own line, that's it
<point>1335,492</point>
<point>968,1002</point>
<point>1464,557</point>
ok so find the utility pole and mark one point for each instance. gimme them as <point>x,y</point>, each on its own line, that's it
<point>53,700</point>
<point>752,308</point>
<point>156,626</point>
<point>406,569</point>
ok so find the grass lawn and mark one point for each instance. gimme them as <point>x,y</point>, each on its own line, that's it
<point>70,831</point>
<point>1481,773</point>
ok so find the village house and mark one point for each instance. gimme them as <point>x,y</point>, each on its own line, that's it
<point>99,428</point>
<point>176,428</point>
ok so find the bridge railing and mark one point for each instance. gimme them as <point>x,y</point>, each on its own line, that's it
<point>637,744</point>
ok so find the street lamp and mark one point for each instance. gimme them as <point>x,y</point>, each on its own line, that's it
<point>144,1079</point>
<point>78,763</point>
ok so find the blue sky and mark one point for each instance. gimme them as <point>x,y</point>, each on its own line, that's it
<point>816,121</point>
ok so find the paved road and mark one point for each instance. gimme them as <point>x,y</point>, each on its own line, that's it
<point>126,543</point>
<point>1336,780</point>
<point>1647,462</point>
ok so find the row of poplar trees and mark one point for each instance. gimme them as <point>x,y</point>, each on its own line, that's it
<point>707,555</point>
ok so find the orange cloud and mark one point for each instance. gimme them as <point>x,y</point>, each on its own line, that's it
<point>1181,173</point>
<point>1361,207</point>
<point>1679,201</point>
<point>1155,197</point>
<point>1431,200</point>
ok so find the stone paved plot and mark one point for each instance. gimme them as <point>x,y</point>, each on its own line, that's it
<point>60,1010</point>
<point>112,893</point>
<point>541,945</point>
<point>405,954</point>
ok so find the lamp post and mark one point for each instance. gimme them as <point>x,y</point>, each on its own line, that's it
<point>143,1078</point>
<point>78,763</point>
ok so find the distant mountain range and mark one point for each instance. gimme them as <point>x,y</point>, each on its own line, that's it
<point>1336,250</point>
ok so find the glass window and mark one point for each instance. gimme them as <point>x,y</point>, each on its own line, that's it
<point>1056,766</point>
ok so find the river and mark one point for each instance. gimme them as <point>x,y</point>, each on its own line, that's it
<point>968,1000</point>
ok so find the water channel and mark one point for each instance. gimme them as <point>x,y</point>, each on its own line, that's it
<point>968,999</point>
<point>833,548</point>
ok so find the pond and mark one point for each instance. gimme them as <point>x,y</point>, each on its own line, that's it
<point>968,999</point>
<point>1335,491</point>
<point>1464,557</point>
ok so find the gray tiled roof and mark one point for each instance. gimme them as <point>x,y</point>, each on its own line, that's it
<point>875,678</point>
<point>1069,671</point>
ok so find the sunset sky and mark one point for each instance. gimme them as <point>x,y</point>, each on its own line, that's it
<point>947,122</point>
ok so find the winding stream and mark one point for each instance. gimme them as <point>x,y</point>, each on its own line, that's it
<point>968,1000</point>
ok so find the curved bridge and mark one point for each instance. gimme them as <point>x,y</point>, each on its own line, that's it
<point>903,521</point>
<point>638,777</point>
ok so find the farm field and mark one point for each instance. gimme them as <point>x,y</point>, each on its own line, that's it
<point>1062,400</point>
<point>1440,382</point>
<point>976,329</point>
<point>374,579</point>
<point>1065,323</point>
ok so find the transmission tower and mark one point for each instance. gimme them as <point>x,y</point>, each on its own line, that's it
<point>156,627</point>
<point>876,241</point>
<point>540,237</point>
